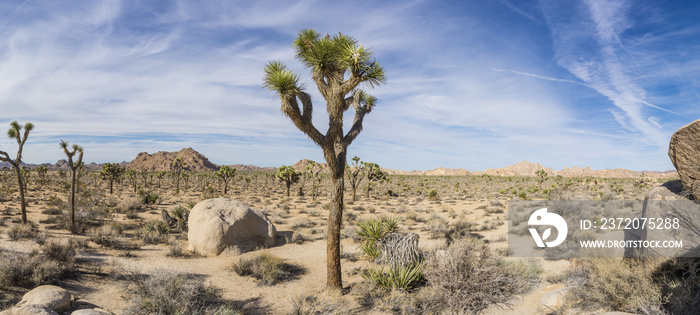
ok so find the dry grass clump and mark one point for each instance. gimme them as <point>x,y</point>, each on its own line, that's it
<point>267,268</point>
<point>169,292</point>
<point>615,284</point>
<point>33,269</point>
<point>467,277</point>
<point>22,231</point>
<point>111,235</point>
<point>323,304</point>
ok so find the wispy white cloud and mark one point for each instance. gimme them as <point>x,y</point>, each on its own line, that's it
<point>121,77</point>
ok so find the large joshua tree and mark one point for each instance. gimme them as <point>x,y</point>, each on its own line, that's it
<point>338,65</point>
<point>15,133</point>
<point>74,179</point>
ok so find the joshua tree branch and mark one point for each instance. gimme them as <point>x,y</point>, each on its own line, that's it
<point>6,158</point>
<point>290,107</point>
<point>360,111</point>
<point>351,83</point>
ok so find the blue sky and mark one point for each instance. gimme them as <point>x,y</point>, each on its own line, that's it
<point>471,84</point>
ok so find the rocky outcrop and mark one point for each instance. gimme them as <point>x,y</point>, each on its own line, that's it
<point>684,151</point>
<point>216,224</point>
<point>160,161</point>
<point>668,202</point>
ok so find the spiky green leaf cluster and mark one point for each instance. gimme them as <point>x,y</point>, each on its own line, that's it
<point>334,56</point>
<point>281,80</point>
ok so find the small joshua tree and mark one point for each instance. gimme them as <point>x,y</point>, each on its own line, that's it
<point>354,175</point>
<point>111,172</point>
<point>74,179</point>
<point>313,169</point>
<point>160,176</point>
<point>177,166</point>
<point>131,176</point>
<point>226,174</point>
<point>144,173</point>
<point>288,175</point>
<point>41,171</point>
<point>338,65</point>
<point>542,175</point>
<point>374,174</point>
<point>14,133</point>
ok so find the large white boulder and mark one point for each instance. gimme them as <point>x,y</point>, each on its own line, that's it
<point>44,299</point>
<point>216,224</point>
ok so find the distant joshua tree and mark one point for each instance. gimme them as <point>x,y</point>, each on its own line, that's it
<point>144,174</point>
<point>313,170</point>
<point>374,174</point>
<point>177,166</point>
<point>338,65</point>
<point>226,174</point>
<point>14,133</point>
<point>355,175</point>
<point>112,172</point>
<point>288,175</point>
<point>41,171</point>
<point>74,180</point>
<point>160,176</point>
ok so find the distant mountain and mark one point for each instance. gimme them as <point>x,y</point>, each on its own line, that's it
<point>252,168</point>
<point>161,161</point>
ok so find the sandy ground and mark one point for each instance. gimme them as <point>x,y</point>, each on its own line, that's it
<point>460,198</point>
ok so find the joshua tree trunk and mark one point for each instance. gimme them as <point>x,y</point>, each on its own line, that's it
<point>73,184</point>
<point>20,182</point>
<point>336,163</point>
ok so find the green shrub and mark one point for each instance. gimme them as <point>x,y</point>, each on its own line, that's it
<point>268,269</point>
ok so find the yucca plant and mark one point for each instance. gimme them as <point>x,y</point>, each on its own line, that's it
<point>398,277</point>
<point>180,214</point>
<point>391,222</point>
<point>371,230</point>
<point>433,195</point>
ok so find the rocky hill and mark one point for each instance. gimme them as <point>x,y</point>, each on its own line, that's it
<point>160,161</point>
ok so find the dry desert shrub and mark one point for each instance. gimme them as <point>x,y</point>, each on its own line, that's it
<point>323,304</point>
<point>32,269</point>
<point>467,277</point>
<point>680,280</point>
<point>110,235</point>
<point>267,268</point>
<point>615,284</point>
<point>168,292</point>
<point>22,231</point>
